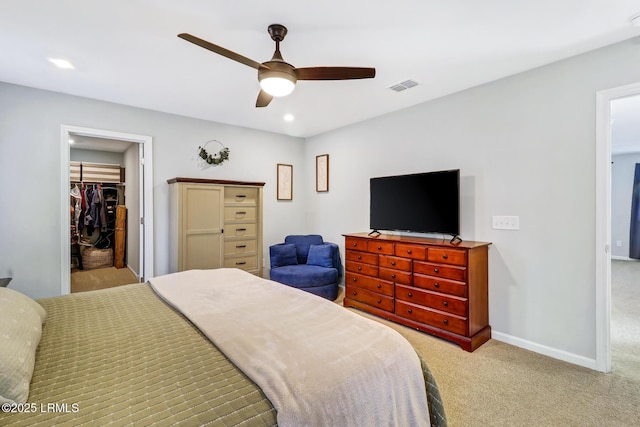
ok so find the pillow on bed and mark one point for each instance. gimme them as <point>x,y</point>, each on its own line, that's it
<point>282,255</point>
<point>320,255</point>
<point>20,331</point>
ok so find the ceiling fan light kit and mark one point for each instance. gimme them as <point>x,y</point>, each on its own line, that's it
<point>278,78</point>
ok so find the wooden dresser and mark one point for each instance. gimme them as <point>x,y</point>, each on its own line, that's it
<point>215,223</point>
<point>426,284</point>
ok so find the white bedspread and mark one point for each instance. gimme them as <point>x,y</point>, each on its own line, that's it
<point>318,363</point>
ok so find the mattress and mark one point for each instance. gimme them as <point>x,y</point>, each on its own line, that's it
<point>122,356</point>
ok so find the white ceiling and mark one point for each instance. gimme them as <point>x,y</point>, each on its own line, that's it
<point>128,52</point>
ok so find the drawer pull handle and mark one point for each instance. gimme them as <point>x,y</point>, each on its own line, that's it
<point>445,321</point>
<point>409,311</point>
<point>435,270</point>
<point>379,247</point>
<point>410,294</point>
<point>359,268</point>
<point>393,263</point>
<point>437,285</point>
<point>379,300</point>
<point>445,303</point>
<point>241,213</point>
<point>359,257</point>
<point>379,285</point>
<point>241,229</point>
<point>355,293</point>
<point>393,276</point>
<point>355,279</point>
<point>409,251</point>
<point>355,245</point>
<point>241,263</point>
<point>241,196</point>
<point>445,256</point>
<point>241,246</point>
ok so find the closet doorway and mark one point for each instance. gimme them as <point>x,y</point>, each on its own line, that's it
<point>127,152</point>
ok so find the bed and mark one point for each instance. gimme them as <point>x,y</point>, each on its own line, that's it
<point>129,356</point>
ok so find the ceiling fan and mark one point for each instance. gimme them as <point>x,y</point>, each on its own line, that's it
<point>277,77</point>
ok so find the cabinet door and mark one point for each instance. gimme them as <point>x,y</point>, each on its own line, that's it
<point>201,227</point>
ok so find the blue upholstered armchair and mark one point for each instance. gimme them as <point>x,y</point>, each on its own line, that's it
<point>307,262</point>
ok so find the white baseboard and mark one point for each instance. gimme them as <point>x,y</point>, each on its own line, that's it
<point>544,350</point>
<point>134,272</point>
<point>623,258</point>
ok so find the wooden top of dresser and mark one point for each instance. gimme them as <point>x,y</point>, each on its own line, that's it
<point>464,244</point>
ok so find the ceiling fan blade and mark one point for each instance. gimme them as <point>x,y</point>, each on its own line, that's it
<point>335,73</point>
<point>263,99</point>
<point>221,51</point>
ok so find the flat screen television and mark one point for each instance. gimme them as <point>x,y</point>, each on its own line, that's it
<point>422,203</point>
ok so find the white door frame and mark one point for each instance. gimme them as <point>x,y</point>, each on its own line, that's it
<point>603,220</point>
<point>146,201</point>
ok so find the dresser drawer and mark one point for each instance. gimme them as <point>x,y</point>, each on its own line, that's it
<point>447,256</point>
<point>380,247</point>
<point>443,302</point>
<point>245,195</point>
<point>411,251</point>
<point>373,299</point>
<point>353,243</point>
<point>239,213</point>
<point>240,230</point>
<point>440,270</point>
<point>358,267</point>
<point>439,284</point>
<point>364,257</point>
<point>370,283</point>
<point>244,263</point>
<point>240,247</point>
<point>395,262</point>
<point>435,318</point>
<point>395,275</point>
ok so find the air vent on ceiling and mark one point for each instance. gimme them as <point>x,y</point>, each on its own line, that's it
<point>407,84</point>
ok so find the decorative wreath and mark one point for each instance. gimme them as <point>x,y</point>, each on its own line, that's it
<point>214,159</point>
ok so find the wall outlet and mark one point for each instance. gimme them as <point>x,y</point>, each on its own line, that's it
<point>501,222</point>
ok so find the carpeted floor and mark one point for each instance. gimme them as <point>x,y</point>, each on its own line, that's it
<point>101,278</point>
<point>503,385</point>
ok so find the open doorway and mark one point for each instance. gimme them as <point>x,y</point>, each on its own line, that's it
<point>136,152</point>
<point>607,103</point>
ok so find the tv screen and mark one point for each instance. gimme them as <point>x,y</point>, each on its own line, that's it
<point>422,203</point>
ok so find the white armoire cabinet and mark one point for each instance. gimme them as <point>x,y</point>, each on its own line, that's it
<point>215,223</point>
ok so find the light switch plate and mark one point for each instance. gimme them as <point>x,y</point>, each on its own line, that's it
<point>502,222</point>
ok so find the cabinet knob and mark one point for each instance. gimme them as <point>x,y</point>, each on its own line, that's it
<point>379,300</point>
<point>437,285</point>
<point>359,268</point>
<point>393,276</point>
<point>393,263</point>
<point>379,285</point>
<point>359,256</point>
<point>445,256</point>
<point>409,251</point>
<point>355,245</point>
<point>355,293</point>
<point>355,279</point>
<point>445,321</point>
<point>409,311</point>
<point>379,247</point>
<point>410,294</point>
<point>445,303</point>
<point>435,270</point>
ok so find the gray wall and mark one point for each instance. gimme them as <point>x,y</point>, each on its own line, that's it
<point>30,169</point>
<point>96,156</point>
<point>525,146</point>
<point>622,172</point>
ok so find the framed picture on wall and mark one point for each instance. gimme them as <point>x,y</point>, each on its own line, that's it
<point>322,173</point>
<point>285,182</point>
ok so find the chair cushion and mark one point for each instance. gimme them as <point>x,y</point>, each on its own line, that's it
<point>284,254</point>
<point>304,275</point>
<point>320,255</point>
<point>302,243</point>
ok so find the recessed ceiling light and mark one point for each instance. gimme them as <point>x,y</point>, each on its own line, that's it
<point>635,20</point>
<point>288,117</point>
<point>62,63</point>
<point>71,141</point>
